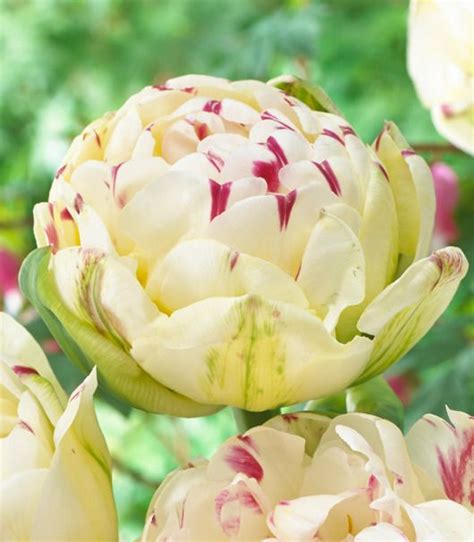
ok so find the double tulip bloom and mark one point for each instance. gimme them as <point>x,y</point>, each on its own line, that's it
<point>303,477</point>
<point>236,243</point>
<point>55,469</point>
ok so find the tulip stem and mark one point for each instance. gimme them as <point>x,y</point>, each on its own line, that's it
<point>245,419</point>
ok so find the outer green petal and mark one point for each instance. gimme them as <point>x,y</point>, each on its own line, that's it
<point>87,347</point>
<point>401,315</point>
<point>312,95</point>
<point>78,483</point>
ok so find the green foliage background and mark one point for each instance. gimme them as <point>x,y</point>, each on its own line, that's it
<point>65,62</point>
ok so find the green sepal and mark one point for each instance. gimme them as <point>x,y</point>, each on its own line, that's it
<point>376,397</point>
<point>86,347</point>
<point>311,95</point>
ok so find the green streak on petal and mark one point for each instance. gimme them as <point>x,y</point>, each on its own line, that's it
<point>254,355</point>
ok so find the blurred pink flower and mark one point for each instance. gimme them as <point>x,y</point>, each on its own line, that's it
<point>404,385</point>
<point>447,196</point>
<point>9,290</point>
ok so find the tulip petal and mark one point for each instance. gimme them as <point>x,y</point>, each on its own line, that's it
<point>456,123</point>
<point>121,372</point>
<point>382,531</point>
<point>248,352</point>
<point>80,468</point>
<point>300,519</point>
<point>198,269</point>
<point>446,453</point>
<point>20,496</point>
<point>332,270</point>
<point>406,310</point>
<point>378,236</point>
<point>308,425</point>
<point>412,185</point>
<point>272,458</point>
<point>19,348</point>
<point>441,521</point>
<point>283,222</point>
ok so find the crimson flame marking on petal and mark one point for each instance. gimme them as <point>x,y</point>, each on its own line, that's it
<point>26,426</point>
<point>77,393</point>
<point>266,115</point>
<point>153,519</point>
<point>447,111</point>
<point>330,133</point>
<point>285,205</point>
<point>408,152</point>
<point>215,160</point>
<point>240,460</point>
<point>213,106</point>
<point>231,525</point>
<point>383,170</point>
<point>372,487</point>
<point>270,170</point>
<point>233,259</point>
<point>275,148</point>
<point>379,139</point>
<point>219,197</point>
<point>189,90</point>
<point>248,440</point>
<point>22,370</point>
<point>78,203</point>
<point>290,417</point>
<point>97,139</point>
<point>455,465</point>
<point>326,169</point>
<point>347,130</point>
<point>52,236</point>
<point>60,171</point>
<point>65,214</point>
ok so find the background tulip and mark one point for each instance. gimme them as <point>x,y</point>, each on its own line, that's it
<point>55,478</point>
<point>441,64</point>
<point>304,476</point>
<point>218,242</point>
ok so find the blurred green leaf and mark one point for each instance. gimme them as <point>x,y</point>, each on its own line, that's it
<point>376,397</point>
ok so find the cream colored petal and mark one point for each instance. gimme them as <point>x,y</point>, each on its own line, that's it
<point>77,501</point>
<point>169,499</point>
<point>406,310</point>
<point>19,348</point>
<point>123,137</point>
<point>103,291</point>
<point>198,269</point>
<point>303,424</point>
<point>248,352</point>
<point>456,123</point>
<point>445,452</point>
<point>272,458</point>
<point>382,531</point>
<point>166,210</point>
<point>378,236</point>
<point>332,270</point>
<point>273,227</point>
<point>441,521</point>
<point>300,519</point>
<point>412,185</point>
<point>20,496</point>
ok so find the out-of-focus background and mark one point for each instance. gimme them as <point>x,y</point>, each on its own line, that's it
<point>65,62</point>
